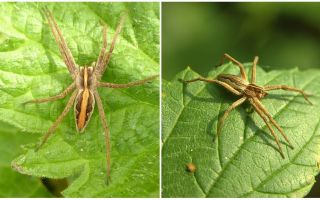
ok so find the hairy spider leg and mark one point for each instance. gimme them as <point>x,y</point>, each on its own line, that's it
<point>226,113</point>
<point>225,85</point>
<point>63,47</point>
<point>240,65</point>
<point>58,121</point>
<point>126,85</point>
<point>100,69</point>
<point>254,67</point>
<point>261,114</point>
<point>63,94</point>
<point>264,110</point>
<point>288,88</point>
<point>106,134</point>
<point>104,46</point>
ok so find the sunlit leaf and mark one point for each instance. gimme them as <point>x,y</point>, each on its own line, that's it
<point>31,67</point>
<point>243,161</point>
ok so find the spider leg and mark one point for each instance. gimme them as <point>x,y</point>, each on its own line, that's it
<point>225,85</point>
<point>107,133</point>
<point>242,71</point>
<point>226,113</point>
<point>56,97</point>
<point>126,85</point>
<point>288,88</point>
<point>104,46</point>
<point>261,114</point>
<point>106,58</point>
<point>262,108</point>
<point>254,66</point>
<point>63,47</point>
<point>58,121</point>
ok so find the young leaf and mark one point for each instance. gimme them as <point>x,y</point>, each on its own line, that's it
<point>31,67</point>
<point>244,160</point>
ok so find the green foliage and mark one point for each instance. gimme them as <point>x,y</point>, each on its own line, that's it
<point>271,30</point>
<point>13,184</point>
<point>243,161</point>
<point>31,67</point>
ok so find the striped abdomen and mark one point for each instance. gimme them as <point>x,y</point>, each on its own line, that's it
<point>235,82</point>
<point>84,103</point>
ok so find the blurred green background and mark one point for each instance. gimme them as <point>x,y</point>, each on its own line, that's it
<point>283,35</point>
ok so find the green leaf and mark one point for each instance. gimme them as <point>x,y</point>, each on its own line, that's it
<point>31,67</point>
<point>243,161</point>
<point>13,184</point>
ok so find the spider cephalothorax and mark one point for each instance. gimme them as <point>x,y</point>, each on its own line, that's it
<point>253,90</point>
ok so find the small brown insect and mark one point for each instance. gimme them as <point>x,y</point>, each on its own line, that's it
<point>251,92</point>
<point>86,80</point>
<point>191,167</point>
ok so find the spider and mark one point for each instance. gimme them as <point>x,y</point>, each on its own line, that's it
<point>251,92</point>
<point>86,80</point>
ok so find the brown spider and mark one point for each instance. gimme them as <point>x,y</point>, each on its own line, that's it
<point>86,80</point>
<point>251,92</point>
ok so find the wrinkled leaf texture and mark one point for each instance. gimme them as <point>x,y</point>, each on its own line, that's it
<point>13,184</point>
<point>31,67</point>
<point>243,161</point>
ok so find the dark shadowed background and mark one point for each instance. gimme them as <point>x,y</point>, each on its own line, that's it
<point>283,35</point>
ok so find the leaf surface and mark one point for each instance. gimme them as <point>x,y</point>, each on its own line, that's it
<point>13,184</point>
<point>31,67</point>
<point>244,160</point>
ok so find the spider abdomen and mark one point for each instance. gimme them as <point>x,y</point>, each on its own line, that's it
<point>234,81</point>
<point>83,109</point>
